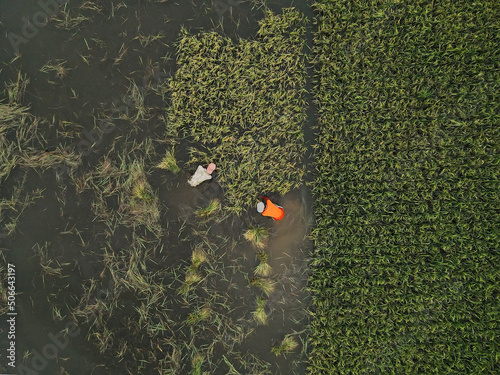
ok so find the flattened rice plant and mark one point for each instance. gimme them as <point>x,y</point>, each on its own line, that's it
<point>287,345</point>
<point>266,285</point>
<point>198,256</point>
<point>257,236</point>
<point>20,143</point>
<point>263,268</point>
<point>210,209</point>
<point>259,314</point>
<point>244,103</point>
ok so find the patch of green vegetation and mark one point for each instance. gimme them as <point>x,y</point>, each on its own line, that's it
<point>169,163</point>
<point>405,269</point>
<point>210,209</point>
<point>197,364</point>
<point>257,236</point>
<point>243,106</point>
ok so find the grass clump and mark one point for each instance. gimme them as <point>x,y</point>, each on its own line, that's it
<point>169,163</point>
<point>213,207</point>
<point>263,268</point>
<point>202,314</point>
<point>57,67</point>
<point>287,345</point>
<point>16,89</point>
<point>259,314</point>
<point>245,103</point>
<point>266,285</point>
<point>406,188</point>
<point>127,184</point>
<point>141,191</point>
<point>192,276</point>
<point>20,143</point>
<point>198,257</point>
<point>257,236</point>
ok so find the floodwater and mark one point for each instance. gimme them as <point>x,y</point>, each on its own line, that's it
<point>95,86</point>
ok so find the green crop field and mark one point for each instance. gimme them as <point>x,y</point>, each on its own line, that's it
<point>406,264</point>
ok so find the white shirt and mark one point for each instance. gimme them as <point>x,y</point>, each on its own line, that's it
<point>199,176</point>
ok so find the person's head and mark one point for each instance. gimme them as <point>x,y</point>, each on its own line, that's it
<point>260,207</point>
<point>211,167</point>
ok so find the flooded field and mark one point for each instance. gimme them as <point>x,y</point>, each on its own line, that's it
<point>384,114</point>
<point>120,265</point>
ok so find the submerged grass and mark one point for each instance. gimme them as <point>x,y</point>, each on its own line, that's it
<point>21,144</point>
<point>138,204</point>
<point>129,307</point>
<point>58,67</point>
<point>245,104</point>
<point>200,315</point>
<point>11,208</point>
<point>405,268</point>
<point>16,89</point>
<point>142,205</point>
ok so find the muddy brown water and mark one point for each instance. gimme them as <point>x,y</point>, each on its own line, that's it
<point>101,88</point>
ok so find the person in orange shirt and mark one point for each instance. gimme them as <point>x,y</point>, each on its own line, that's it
<point>268,208</point>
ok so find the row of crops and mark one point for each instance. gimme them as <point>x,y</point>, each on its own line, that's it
<point>405,270</point>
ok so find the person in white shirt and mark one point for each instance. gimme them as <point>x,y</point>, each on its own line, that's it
<point>201,175</point>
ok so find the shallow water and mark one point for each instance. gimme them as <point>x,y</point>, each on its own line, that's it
<point>71,105</point>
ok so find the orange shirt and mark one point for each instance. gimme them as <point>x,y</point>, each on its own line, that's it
<point>272,210</point>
